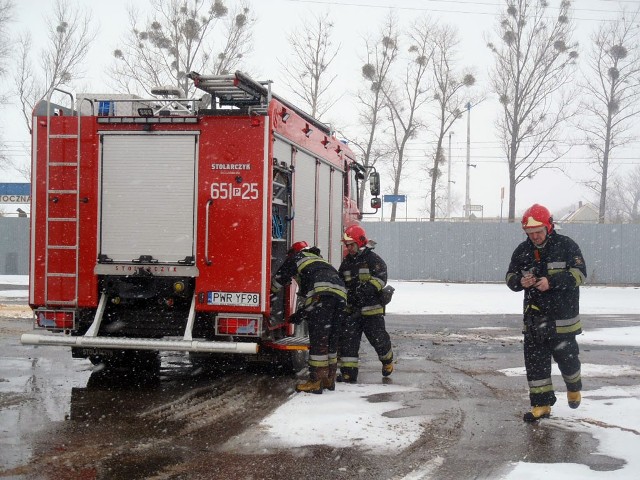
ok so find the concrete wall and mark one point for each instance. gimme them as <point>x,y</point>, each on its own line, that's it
<point>14,246</point>
<point>480,252</point>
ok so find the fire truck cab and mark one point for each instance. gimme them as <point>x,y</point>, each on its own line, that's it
<point>156,224</point>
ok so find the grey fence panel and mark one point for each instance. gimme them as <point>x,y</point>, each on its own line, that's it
<point>437,251</point>
<point>480,252</point>
<point>14,246</point>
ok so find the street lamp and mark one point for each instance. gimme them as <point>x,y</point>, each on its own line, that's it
<point>449,180</point>
<point>467,200</point>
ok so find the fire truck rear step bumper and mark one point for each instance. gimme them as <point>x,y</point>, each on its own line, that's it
<point>140,344</point>
<point>289,343</point>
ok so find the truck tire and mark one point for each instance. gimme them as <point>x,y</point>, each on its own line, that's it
<point>294,360</point>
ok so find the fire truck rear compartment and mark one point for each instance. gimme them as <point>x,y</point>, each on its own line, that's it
<point>147,197</point>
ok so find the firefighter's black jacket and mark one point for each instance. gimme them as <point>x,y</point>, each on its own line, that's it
<point>560,261</point>
<point>365,275</point>
<point>313,274</point>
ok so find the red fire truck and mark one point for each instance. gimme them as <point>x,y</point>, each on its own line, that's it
<point>156,224</point>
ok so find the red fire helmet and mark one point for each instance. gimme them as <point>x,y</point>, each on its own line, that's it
<point>537,216</point>
<point>355,233</point>
<point>298,246</point>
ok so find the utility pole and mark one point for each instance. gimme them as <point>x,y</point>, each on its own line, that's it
<point>449,179</point>
<point>467,200</point>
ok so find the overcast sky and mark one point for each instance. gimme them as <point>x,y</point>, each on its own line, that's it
<point>355,19</point>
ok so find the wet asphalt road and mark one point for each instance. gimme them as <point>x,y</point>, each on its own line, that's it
<point>62,419</point>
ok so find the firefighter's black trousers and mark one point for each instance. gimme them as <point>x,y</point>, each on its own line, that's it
<point>374,329</point>
<point>324,328</point>
<point>537,360</point>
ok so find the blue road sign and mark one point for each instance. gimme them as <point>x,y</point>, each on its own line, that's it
<point>15,192</point>
<point>15,189</point>
<point>394,198</point>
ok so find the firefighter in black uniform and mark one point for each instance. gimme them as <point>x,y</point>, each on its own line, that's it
<point>365,275</point>
<point>322,296</point>
<point>550,269</point>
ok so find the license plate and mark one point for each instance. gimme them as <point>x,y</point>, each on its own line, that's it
<point>234,299</point>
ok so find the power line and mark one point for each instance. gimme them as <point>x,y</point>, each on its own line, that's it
<point>564,161</point>
<point>460,2</point>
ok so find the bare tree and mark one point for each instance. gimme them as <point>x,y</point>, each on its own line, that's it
<point>6,17</point>
<point>450,99</point>
<point>176,40</point>
<point>613,93</point>
<point>381,54</point>
<point>307,75</point>
<point>623,199</point>
<point>406,98</point>
<point>534,57</point>
<point>69,36</point>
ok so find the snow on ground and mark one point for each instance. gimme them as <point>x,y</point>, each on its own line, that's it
<point>611,415</point>
<point>14,280</point>
<point>418,298</point>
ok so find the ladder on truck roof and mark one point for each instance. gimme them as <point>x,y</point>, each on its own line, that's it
<point>241,91</point>
<point>62,210</point>
<point>236,90</point>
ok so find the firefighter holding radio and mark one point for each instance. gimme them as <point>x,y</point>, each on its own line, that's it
<point>322,297</point>
<point>549,267</point>
<point>365,276</point>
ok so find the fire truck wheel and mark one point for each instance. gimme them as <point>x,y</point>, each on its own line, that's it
<point>292,361</point>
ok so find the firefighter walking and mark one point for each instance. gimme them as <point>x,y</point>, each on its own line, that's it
<point>322,296</point>
<point>549,267</point>
<point>365,275</point>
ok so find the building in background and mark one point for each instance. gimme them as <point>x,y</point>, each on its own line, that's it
<point>585,213</point>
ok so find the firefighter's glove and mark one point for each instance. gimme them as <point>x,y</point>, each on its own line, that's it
<point>353,317</point>
<point>297,317</point>
<point>386,294</point>
<point>538,329</point>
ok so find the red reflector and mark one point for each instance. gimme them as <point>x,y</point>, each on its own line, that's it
<point>237,326</point>
<point>64,319</point>
<point>54,319</point>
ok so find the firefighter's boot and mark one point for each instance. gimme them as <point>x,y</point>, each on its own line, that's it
<point>574,399</point>
<point>329,383</point>
<point>537,413</point>
<point>387,368</point>
<point>348,375</point>
<point>317,377</point>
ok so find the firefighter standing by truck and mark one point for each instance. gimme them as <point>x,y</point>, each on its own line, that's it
<point>365,275</point>
<point>322,299</point>
<point>549,267</point>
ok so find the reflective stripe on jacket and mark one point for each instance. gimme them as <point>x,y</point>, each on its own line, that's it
<point>365,275</point>
<point>313,274</point>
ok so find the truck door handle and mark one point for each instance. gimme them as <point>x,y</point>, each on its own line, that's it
<point>206,232</point>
